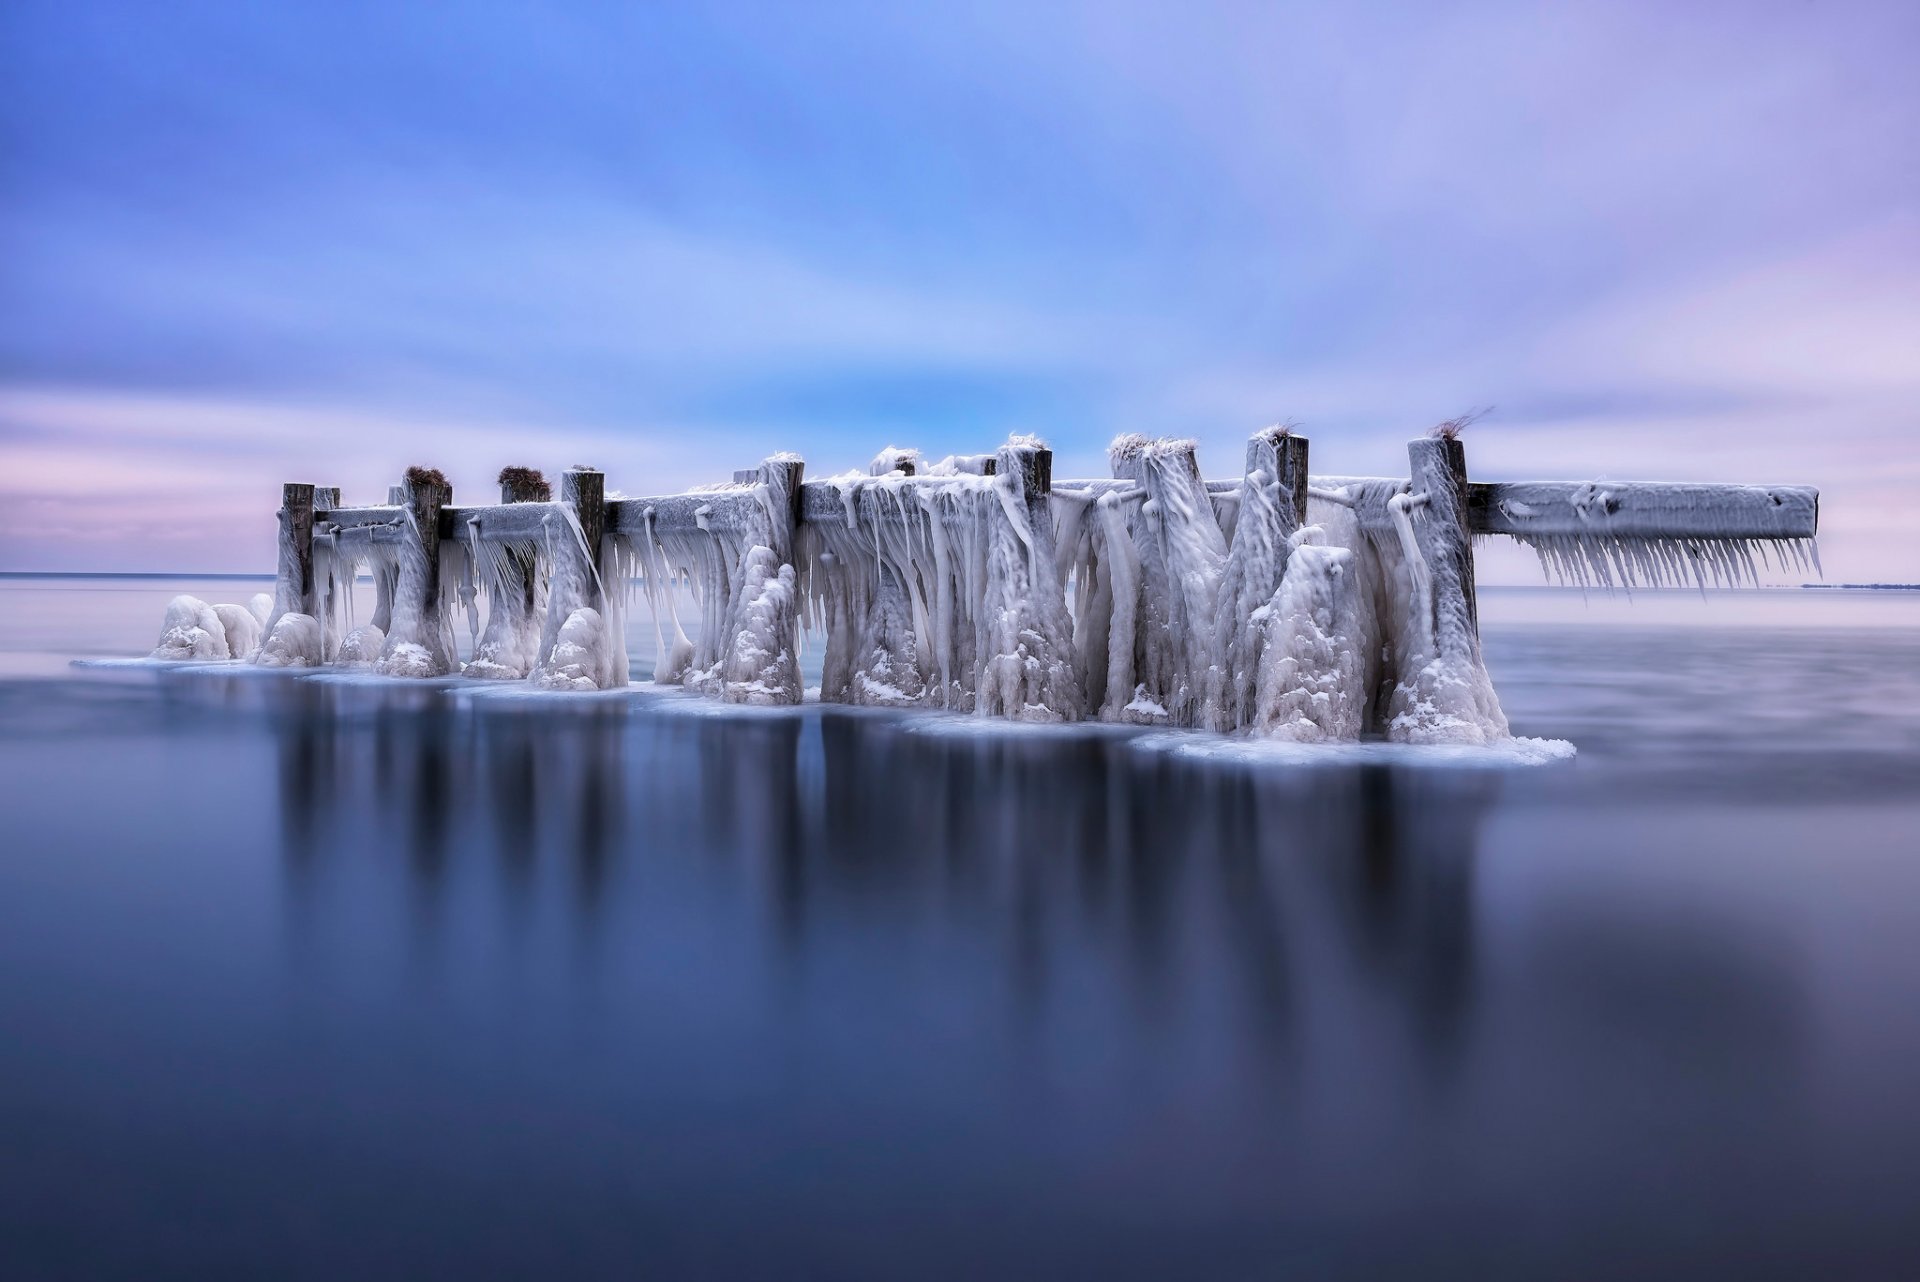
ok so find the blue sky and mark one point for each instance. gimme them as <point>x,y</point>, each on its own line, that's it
<point>242,243</point>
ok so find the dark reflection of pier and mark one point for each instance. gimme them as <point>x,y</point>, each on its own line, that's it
<point>1277,908</point>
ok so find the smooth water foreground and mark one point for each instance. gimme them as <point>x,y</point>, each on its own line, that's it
<point>325,978</point>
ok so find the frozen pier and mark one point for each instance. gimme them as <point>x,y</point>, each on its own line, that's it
<point>1279,603</point>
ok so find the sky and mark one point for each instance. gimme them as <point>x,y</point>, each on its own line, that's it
<point>248,243</point>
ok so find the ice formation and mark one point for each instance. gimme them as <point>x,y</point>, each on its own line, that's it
<point>419,633</point>
<point>294,642</point>
<point>1270,607</point>
<point>195,630</point>
<point>192,630</point>
<point>361,647</point>
<point>512,578</point>
<point>241,628</point>
<point>737,555</point>
<point>943,593</point>
<point>1659,534</point>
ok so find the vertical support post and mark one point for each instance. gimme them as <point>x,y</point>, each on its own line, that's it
<point>1283,456</point>
<point>1036,471</point>
<point>586,490</point>
<point>784,475</point>
<point>1026,662</point>
<point>294,592</point>
<point>293,578</point>
<point>425,499</point>
<point>1439,470</point>
<point>419,641</point>
<point>325,499</point>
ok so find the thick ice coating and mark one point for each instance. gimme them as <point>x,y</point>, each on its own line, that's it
<point>1268,607</point>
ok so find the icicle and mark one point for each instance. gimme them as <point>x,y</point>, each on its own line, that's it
<point>1606,560</point>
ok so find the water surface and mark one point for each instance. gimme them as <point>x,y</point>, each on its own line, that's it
<point>321,978</point>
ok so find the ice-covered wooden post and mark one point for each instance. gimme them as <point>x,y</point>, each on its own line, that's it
<point>1439,471</point>
<point>1283,457</point>
<point>1271,509</point>
<point>325,499</point>
<point>424,497</point>
<point>419,642</point>
<point>581,646</point>
<point>293,590</point>
<point>586,490</point>
<point>1027,667</point>
<point>1036,474</point>
<point>1441,691</point>
<point>299,643</point>
<point>759,659</point>
<point>783,475</point>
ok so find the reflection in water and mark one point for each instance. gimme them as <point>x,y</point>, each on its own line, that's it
<point>591,973</point>
<point>299,975</point>
<point>1244,893</point>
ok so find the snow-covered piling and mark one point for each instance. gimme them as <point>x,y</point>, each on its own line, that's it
<point>1276,605</point>
<point>419,639</point>
<point>292,633</point>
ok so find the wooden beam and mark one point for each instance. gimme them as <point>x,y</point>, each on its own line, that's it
<point>1645,509</point>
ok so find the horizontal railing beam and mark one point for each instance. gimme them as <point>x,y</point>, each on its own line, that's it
<point>673,513</point>
<point>1627,509</point>
<point>1644,509</point>
<point>347,517</point>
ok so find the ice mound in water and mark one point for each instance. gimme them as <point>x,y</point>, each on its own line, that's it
<point>293,643</point>
<point>242,630</point>
<point>260,606</point>
<point>758,667</point>
<point>579,657</point>
<point>192,630</point>
<point>362,646</point>
<point>405,659</point>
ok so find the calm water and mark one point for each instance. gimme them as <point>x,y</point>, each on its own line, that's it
<point>311,978</point>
